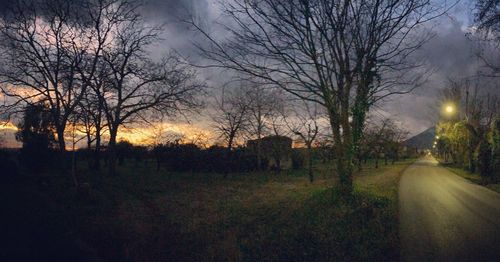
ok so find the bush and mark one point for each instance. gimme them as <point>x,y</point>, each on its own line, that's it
<point>495,139</point>
<point>297,160</point>
<point>484,159</point>
<point>36,134</point>
<point>8,166</point>
<point>191,158</point>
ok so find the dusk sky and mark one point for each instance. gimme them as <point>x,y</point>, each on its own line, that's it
<point>450,55</point>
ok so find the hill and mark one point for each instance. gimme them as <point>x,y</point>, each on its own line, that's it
<point>423,140</point>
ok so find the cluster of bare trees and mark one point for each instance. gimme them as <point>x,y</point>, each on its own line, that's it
<point>252,111</point>
<point>88,62</point>
<point>382,139</point>
<point>343,55</point>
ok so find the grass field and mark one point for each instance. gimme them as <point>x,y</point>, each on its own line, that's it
<point>473,177</point>
<point>143,215</point>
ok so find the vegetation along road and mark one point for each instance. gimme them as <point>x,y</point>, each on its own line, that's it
<point>445,217</point>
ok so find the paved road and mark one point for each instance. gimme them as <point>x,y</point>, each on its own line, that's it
<point>444,217</point>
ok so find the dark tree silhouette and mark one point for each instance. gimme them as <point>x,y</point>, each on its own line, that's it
<point>36,132</point>
<point>231,115</point>
<point>43,42</point>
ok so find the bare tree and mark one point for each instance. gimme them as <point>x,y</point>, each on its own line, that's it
<point>263,104</point>
<point>127,82</point>
<point>375,136</point>
<point>487,35</point>
<point>103,18</point>
<point>92,123</point>
<point>38,40</point>
<point>343,55</point>
<point>137,85</point>
<point>487,16</point>
<point>304,124</point>
<point>231,115</point>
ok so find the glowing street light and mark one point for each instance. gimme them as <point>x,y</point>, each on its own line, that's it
<point>449,109</point>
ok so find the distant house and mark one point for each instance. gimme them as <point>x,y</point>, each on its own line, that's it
<point>276,149</point>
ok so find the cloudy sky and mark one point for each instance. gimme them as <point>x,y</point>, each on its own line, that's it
<point>450,54</point>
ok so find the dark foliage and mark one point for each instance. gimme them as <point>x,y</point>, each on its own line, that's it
<point>124,149</point>
<point>36,132</point>
<point>7,165</point>
<point>484,159</point>
<point>191,158</point>
<point>297,160</point>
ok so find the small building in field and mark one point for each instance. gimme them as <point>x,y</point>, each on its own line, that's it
<point>275,149</point>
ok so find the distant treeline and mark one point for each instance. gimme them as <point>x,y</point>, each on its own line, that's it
<point>173,157</point>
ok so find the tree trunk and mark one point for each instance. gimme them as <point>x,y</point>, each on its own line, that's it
<point>60,140</point>
<point>112,151</point>
<point>259,154</point>
<point>470,156</point>
<point>345,177</point>
<point>309,156</point>
<point>73,167</point>
<point>97,151</point>
<point>359,158</point>
<point>88,153</point>
<point>344,170</point>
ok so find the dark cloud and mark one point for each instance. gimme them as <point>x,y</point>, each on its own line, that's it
<point>5,5</point>
<point>450,53</point>
<point>175,10</point>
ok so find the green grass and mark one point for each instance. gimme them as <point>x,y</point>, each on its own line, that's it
<point>473,177</point>
<point>142,215</point>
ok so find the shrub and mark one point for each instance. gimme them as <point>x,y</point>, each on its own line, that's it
<point>297,160</point>
<point>36,132</point>
<point>8,166</point>
<point>484,159</point>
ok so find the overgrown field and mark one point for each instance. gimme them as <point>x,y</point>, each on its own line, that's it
<point>143,215</point>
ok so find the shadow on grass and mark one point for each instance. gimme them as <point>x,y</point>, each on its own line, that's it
<point>322,228</point>
<point>148,216</point>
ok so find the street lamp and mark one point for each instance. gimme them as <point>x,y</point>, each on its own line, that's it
<point>449,109</point>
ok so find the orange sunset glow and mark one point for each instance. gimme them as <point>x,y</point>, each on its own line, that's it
<point>139,135</point>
